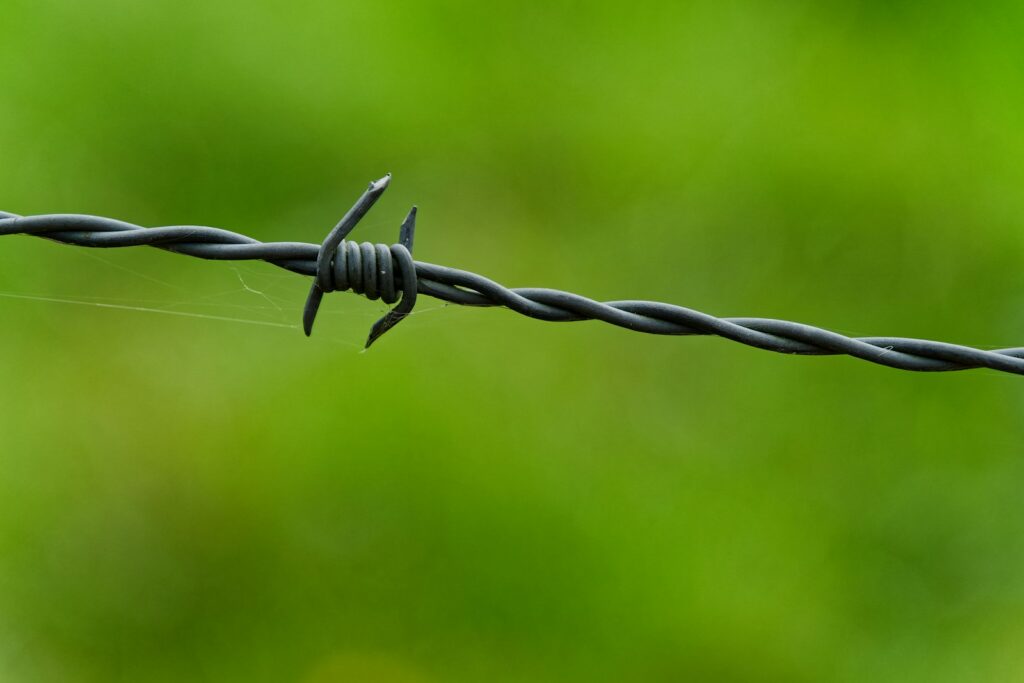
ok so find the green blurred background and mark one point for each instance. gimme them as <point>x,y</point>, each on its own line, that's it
<point>483,496</point>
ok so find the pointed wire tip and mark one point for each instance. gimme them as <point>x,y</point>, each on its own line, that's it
<point>407,232</point>
<point>375,334</point>
<point>380,185</point>
<point>311,307</point>
<point>383,325</point>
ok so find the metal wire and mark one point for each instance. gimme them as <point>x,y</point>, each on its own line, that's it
<point>389,273</point>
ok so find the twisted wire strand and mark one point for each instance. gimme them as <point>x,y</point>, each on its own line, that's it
<point>390,274</point>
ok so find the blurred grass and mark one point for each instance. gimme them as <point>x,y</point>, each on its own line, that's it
<point>484,496</point>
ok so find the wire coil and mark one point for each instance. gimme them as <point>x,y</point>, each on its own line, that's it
<point>390,274</point>
<point>366,269</point>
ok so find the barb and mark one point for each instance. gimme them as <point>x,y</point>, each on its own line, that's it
<point>389,273</point>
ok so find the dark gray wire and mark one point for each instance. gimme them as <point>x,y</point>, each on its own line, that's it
<point>380,271</point>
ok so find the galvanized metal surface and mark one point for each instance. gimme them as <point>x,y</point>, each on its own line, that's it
<point>389,273</point>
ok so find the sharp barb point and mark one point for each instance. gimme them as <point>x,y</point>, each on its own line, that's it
<point>407,233</point>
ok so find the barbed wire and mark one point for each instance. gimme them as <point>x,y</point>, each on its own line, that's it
<point>390,274</point>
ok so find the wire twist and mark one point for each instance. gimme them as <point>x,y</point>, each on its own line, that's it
<point>390,274</point>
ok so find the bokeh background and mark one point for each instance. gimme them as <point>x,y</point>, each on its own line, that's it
<point>482,496</point>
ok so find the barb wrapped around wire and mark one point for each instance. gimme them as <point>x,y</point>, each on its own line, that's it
<point>390,274</point>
